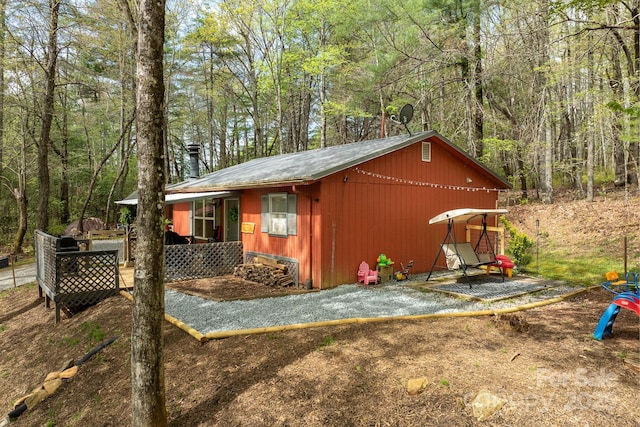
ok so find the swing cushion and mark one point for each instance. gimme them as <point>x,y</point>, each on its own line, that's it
<point>465,256</point>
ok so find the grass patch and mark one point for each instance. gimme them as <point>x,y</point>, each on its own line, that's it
<point>70,342</point>
<point>328,341</point>
<point>93,330</point>
<point>23,288</point>
<point>585,270</point>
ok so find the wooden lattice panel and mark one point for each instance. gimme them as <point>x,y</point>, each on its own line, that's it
<point>291,263</point>
<point>74,278</point>
<point>45,246</point>
<point>86,277</point>
<point>197,261</point>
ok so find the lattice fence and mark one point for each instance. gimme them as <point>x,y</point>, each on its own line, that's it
<point>291,263</point>
<point>74,278</point>
<point>201,260</point>
<point>45,246</point>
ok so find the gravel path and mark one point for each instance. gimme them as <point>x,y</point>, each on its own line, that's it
<point>342,302</point>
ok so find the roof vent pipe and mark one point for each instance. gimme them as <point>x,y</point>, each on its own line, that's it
<point>194,160</point>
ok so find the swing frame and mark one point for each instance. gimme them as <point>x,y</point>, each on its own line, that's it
<point>468,259</point>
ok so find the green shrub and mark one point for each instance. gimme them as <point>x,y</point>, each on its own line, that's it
<point>57,229</point>
<point>127,215</point>
<point>519,245</point>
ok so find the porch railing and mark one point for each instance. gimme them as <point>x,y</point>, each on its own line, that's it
<point>183,262</point>
<point>70,277</point>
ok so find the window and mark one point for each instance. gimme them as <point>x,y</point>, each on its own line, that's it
<point>278,214</point>
<point>426,151</point>
<point>204,218</point>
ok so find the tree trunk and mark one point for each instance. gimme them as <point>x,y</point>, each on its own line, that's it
<point>42,221</point>
<point>20,194</point>
<point>305,115</point>
<point>617,88</point>
<point>128,86</point>
<point>64,163</point>
<point>544,112</point>
<point>2,83</point>
<point>590,127</point>
<point>547,187</point>
<point>21,200</point>
<point>465,75</point>
<point>478,114</point>
<point>323,115</point>
<point>147,353</point>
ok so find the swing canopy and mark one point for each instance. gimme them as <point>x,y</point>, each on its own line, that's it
<point>464,215</point>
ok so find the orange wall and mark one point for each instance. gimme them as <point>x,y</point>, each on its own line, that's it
<point>343,222</point>
<point>182,218</point>
<point>299,246</point>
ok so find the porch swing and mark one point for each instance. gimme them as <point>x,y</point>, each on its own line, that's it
<point>461,254</point>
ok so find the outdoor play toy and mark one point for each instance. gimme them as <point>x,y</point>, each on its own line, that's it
<point>502,262</point>
<point>404,273</point>
<point>366,275</point>
<point>626,295</point>
<point>383,260</point>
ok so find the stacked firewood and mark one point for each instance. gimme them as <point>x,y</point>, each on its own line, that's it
<point>264,270</point>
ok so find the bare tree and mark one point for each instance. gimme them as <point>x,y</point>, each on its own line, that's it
<point>47,117</point>
<point>147,353</point>
<point>3,10</point>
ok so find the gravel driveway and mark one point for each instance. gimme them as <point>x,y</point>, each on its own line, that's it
<point>24,274</point>
<point>342,302</point>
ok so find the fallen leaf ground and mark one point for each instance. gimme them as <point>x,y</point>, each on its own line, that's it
<point>543,362</point>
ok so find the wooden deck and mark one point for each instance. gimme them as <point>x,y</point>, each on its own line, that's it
<point>126,277</point>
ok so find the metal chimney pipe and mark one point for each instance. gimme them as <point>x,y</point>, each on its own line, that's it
<point>194,160</point>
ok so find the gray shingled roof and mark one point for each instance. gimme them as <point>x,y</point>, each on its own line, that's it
<point>304,166</point>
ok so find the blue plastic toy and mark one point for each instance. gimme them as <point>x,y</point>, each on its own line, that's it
<point>627,295</point>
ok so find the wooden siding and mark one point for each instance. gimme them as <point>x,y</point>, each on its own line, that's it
<point>384,206</point>
<point>381,206</point>
<point>297,246</point>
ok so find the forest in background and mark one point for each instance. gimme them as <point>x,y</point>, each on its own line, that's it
<point>545,93</point>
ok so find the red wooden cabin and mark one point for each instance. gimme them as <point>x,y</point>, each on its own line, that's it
<point>329,209</point>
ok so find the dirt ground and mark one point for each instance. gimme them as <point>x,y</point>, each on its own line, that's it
<point>542,362</point>
<point>230,288</point>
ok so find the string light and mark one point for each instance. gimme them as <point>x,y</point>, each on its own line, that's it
<point>426,184</point>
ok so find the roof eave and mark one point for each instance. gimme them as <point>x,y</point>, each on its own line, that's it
<point>248,185</point>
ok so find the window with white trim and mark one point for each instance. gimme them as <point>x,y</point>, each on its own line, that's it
<point>278,214</point>
<point>426,151</point>
<point>204,218</point>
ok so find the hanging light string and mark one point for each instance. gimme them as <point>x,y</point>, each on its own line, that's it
<point>425,184</point>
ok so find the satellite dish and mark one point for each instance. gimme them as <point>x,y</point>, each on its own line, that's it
<point>406,114</point>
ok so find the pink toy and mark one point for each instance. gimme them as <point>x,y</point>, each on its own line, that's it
<point>366,275</point>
